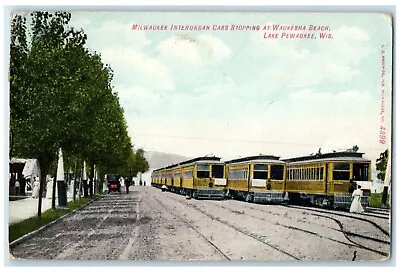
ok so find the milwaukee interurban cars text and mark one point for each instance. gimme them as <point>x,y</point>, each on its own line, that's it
<point>271,31</point>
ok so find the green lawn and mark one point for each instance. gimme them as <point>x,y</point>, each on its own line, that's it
<point>21,228</point>
<point>375,200</point>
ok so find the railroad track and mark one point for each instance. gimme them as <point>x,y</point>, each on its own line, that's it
<point>195,229</point>
<point>350,235</point>
<point>329,214</point>
<point>377,212</point>
<point>367,213</point>
<point>346,215</point>
<point>345,233</point>
<point>216,219</point>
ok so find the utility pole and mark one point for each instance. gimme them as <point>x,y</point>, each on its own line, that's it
<point>387,181</point>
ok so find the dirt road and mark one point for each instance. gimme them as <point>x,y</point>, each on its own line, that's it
<point>148,224</point>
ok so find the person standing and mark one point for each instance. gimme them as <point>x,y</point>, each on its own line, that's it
<point>127,184</point>
<point>356,206</point>
<point>35,189</point>
<point>22,188</point>
<point>352,187</point>
<point>17,187</point>
<point>269,187</point>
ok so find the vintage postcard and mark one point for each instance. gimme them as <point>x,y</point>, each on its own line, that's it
<point>201,136</point>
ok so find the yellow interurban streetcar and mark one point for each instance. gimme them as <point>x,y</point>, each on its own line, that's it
<point>202,177</point>
<point>256,179</point>
<point>328,179</point>
<point>322,179</point>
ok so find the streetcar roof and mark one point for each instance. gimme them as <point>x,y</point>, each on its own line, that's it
<point>253,158</point>
<point>343,155</point>
<point>257,162</point>
<point>195,161</point>
<point>338,159</point>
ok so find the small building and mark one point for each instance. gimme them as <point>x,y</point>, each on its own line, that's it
<point>23,170</point>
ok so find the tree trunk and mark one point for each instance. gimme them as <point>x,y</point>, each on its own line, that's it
<point>74,185</point>
<point>81,182</point>
<point>384,196</point>
<point>43,170</point>
<point>53,192</point>
<point>91,176</point>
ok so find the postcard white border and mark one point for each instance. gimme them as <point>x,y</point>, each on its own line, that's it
<point>159,5</point>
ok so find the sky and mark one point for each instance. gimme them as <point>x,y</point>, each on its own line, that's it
<point>235,93</point>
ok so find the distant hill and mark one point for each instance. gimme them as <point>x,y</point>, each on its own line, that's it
<point>159,159</point>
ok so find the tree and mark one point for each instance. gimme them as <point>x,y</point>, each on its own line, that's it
<point>135,163</point>
<point>140,161</point>
<point>381,164</point>
<point>36,125</point>
<point>61,97</point>
<point>18,59</point>
<point>51,88</point>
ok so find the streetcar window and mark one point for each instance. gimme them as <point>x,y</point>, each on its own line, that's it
<point>360,171</point>
<point>260,175</point>
<point>341,175</point>
<point>188,174</point>
<point>277,172</point>
<point>261,167</point>
<point>237,174</point>
<point>260,171</point>
<point>203,168</point>
<point>341,166</point>
<point>217,171</point>
<point>203,171</point>
<point>341,171</point>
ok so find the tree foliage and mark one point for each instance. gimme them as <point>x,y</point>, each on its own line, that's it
<point>381,164</point>
<point>61,96</point>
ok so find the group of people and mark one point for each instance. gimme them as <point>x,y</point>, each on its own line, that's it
<point>19,187</point>
<point>128,183</point>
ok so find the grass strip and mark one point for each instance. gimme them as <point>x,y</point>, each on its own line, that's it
<point>375,200</point>
<point>19,229</point>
